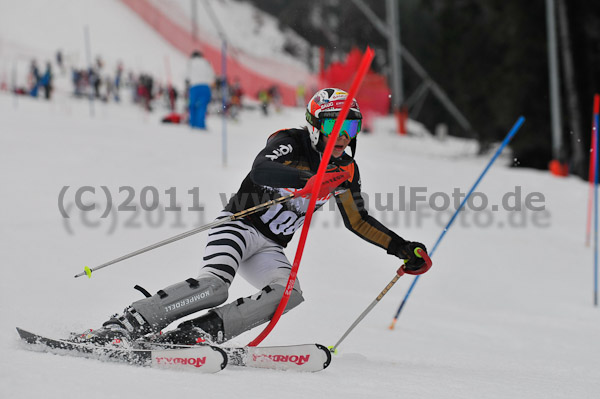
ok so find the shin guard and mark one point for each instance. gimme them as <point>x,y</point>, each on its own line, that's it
<point>247,313</point>
<point>181,299</point>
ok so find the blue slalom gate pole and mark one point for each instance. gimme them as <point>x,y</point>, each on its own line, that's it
<point>596,127</point>
<point>507,139</point>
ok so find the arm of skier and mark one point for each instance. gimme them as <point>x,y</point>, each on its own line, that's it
<point>273,165</point>
<point>357,219</point>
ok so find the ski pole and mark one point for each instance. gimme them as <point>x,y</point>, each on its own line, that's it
<point>332,180</point>
<point>399,274</point>
<point>505,142</point>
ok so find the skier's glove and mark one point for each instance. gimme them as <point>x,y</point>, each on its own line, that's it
<point>336,168</point>
<point>331,180</point>
<point>413,262</point>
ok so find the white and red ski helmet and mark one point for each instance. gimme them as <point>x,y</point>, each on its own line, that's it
<point>327,103</point>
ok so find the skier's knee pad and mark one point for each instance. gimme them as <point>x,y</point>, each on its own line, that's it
<point>247,313</point>
<point>181,299</point>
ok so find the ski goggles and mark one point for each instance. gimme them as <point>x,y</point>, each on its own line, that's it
<point>350,127</point>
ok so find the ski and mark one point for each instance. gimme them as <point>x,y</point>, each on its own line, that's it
<point>307,357</point>
<point>303,357</point>
<point>200,358</point>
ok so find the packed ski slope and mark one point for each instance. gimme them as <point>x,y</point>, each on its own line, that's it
<point>505,312</point>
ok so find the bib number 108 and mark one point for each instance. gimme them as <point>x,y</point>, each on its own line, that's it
<point>286,222</point>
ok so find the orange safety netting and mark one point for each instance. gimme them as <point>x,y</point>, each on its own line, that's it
<point>374,97</point>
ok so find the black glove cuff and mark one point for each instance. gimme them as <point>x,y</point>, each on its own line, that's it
<point>395,246</point>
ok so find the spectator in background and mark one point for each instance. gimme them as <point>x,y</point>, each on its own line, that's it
<point>118,79</point>
<point>217,93</point>
<point>172,97</point>
<point>186,94</point>
<point>94,81</point>
<point>264,98</point>
<point>59,61</point>
<point>46,81</point>
<point>109,88</point>
<point>275,97</point>
<point>77,78</point>
<point>236,94</point>
<point>34,78</point>
<point>145,87</point>
<point>200,75</point>
<point>300,95</point>
<point>132,84</point>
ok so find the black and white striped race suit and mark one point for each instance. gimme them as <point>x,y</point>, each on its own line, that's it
<point>284,165</point>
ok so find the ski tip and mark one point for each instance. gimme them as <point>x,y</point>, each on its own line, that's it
<point>25,335</point>
<point>22,331</point>
<point>327,361</point>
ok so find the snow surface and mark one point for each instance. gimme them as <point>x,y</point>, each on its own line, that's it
<point>247,29</point>
<point>506,311</point>
<point>253,37</point>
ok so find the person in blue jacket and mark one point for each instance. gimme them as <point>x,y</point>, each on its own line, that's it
<point>201,76</point>
<point>46,81</point>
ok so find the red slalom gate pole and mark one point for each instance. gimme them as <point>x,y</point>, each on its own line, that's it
<point>362,71</point>
<point>592,172</point>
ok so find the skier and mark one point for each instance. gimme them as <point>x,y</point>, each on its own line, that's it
<point>201,76</point>
<point>253,246</point>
